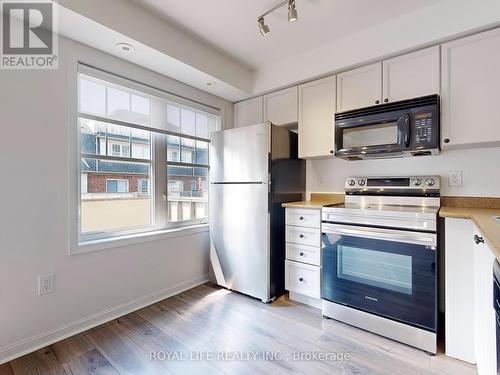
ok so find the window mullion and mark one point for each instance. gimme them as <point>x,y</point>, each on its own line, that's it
<point>160,179</point>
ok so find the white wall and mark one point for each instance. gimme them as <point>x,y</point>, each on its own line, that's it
<point>481,172</point>
<point>35,108</point>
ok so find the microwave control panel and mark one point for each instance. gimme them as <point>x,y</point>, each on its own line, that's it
<point>424,129</point>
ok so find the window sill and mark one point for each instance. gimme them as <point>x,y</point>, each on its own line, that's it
<point>133,239</point>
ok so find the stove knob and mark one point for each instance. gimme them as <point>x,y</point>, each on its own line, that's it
<point>430,182</point>
<point>417,182</point>
<point>351,182</point>
<point>361,182</point>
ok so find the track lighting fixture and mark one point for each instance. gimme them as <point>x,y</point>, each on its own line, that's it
<point>292,15</point>
<point>292,12</point>
<point>264,29</point>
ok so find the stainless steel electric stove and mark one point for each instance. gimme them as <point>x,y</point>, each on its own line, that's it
<point>379,258</point>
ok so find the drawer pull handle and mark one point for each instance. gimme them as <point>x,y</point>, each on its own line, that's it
<point>301,235</point>
<point>301,279</point>
<point>301,217</point>
<point>301,254</point>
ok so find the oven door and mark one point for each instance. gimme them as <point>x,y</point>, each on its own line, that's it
<point>384,133</point>
<point>390,273</point>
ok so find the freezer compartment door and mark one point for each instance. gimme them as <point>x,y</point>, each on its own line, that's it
<point>239,231</point>
<point>241,154</point>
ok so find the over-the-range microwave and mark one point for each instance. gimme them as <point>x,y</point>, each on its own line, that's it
<point>405,128</point>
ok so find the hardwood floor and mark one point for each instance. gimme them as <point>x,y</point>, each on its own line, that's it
<point>208,320</point>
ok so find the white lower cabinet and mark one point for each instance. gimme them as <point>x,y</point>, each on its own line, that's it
<point>470,326</point>
<point>302,278</point>
<point>303,255</point>
<point>459,290</point>
<point>484,312</point>
<point>303,217</point>
<point>303,235</point>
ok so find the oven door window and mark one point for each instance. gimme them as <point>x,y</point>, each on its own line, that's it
<point>392,272</point>
<point>371,135</point>
<point>391,279</point>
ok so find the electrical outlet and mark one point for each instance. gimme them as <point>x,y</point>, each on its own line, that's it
<point>455,179</point>
<point>45,284</point>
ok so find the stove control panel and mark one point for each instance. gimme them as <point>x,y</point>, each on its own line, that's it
<point>388,184</point>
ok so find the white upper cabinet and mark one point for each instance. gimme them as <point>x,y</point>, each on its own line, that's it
<point>280,107</point>
<point>316,118</point>
<point>404,77</point>
<point>470,99</point>
<point>358,88</point>
<point>248,112</point>
<point>412,75</point>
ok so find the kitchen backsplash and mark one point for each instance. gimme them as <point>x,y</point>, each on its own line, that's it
<point>480,171</point>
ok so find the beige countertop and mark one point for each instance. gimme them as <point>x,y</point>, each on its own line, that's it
<point>482,216</point>
<point>318,200</point>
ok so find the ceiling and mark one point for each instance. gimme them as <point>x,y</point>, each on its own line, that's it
<point>230,25</point>
<point>218,41</point>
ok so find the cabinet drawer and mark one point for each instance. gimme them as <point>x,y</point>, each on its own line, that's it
<point>303,279</point>
<point>303,253</point>
<point>310,218</point>
<point>303,236</point>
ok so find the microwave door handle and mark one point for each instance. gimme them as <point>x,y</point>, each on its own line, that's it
<point>406,118</point>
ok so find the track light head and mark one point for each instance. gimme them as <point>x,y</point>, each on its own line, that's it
<point>264,29</point>
<point>292,15</point>
<point>292,11</point>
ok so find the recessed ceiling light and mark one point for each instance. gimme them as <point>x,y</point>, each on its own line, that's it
<point>210,83</point>
<point>125,47</point>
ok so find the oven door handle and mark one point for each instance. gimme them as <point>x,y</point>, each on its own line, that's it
<point>417,238</point>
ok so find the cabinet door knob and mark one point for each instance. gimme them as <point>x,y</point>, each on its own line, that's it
<point>446,140</point>
<point>386,100</point>
<point>301,235</point>
<point>301,279</point>
<point>301,254</point>
<point>331,152</point>
<point>478,239</point>
<point>377,101</point>
<point>301,217</point>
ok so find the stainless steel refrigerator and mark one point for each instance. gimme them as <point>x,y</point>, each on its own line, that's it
<point>253,170</point>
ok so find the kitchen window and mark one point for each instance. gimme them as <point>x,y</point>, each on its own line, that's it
<point>144,158</point>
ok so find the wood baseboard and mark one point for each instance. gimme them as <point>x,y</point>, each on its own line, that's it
<point>44,339</point>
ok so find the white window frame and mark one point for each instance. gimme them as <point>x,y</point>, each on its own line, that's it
<point>160,227</point>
